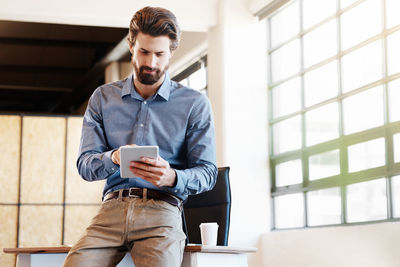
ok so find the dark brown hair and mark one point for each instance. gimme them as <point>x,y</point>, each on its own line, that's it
<point>155,21</point>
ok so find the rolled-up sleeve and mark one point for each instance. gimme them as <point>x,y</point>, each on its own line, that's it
<point>201,172</point>
<point>94,159</point>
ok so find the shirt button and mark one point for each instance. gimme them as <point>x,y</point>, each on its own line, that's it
<point>141,125</point>
<point>112,169</point>
<point>145,102</point>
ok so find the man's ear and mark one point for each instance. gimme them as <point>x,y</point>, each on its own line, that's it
<point>130,47</point>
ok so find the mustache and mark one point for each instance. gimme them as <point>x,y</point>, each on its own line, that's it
<point>142,68</point>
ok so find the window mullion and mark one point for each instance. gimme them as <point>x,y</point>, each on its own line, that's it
<point>343,147</point>
<point>388,134</point>
<point>304,156</point>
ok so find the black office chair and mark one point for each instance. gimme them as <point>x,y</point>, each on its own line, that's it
<point>210,206</point>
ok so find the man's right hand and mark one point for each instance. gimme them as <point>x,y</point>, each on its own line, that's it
<point>115,156</point>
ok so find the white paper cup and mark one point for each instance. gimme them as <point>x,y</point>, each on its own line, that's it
<point>209,233</point>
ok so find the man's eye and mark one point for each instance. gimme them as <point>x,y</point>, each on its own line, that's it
<point>159,54</point>
<point>145,52</point>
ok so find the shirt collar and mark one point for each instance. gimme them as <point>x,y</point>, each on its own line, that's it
<point>165,88</point>
<point>128,86</point>
<point>163,91</point>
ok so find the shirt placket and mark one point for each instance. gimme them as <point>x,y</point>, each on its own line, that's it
<point>142,123</point>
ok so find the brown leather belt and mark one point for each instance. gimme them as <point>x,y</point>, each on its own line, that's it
<point>153,194</point>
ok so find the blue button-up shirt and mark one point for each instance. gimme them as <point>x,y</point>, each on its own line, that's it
<point>177,119</point>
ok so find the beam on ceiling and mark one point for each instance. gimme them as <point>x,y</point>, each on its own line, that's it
<point>34,88</point>
<point>84,89</point>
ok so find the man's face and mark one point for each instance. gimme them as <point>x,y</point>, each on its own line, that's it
<point>150,57</point>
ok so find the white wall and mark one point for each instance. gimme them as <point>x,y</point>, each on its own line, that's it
<point>237,90</point>
<point>192,15</point>
<point>373,245</point>
<point>192,47</point>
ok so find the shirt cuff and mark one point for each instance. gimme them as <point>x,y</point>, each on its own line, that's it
<point>109,165</point>
<point>179,187</point>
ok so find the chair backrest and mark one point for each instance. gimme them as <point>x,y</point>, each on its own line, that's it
<point>210,206</point>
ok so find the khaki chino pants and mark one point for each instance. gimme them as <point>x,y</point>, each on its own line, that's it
<point>151,230</point>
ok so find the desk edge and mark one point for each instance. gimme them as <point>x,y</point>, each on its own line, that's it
<point>188,248</point>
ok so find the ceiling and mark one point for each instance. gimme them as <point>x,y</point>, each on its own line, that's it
<point>54,68</point>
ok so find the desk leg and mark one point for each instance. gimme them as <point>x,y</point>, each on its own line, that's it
<point>201,259</point>
<point>57,259</point>
<point>187,260</point>
<point>24,260</point>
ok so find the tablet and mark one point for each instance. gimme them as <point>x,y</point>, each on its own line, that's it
<point>134,153</point>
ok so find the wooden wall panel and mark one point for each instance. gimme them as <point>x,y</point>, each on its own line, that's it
<point>10,134</point>
<point>40,226</point>
<point>77,189</point>
<point>43,159</point>
<point>8,233</point>
<point>77,219</point>
<point>47,155</point>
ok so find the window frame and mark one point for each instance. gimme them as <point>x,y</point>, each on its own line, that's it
<point>186,73</point>
<point>387,130</point>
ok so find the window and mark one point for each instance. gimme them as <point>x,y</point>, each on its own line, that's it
<point>334,117</point>
<point>194,76</point>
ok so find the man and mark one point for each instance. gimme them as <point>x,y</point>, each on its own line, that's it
<point>143,215</point>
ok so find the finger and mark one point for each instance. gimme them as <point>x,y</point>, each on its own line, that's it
<point>151,161</point>
<point>146,167</point>
<point>115,157</point>
<point>140,165</point>
<point>118,157</point>
<point>148,176</point>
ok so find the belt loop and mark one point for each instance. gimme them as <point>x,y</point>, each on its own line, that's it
<point>180,206</point>
<point>120,194</point>
<point>144,194</point>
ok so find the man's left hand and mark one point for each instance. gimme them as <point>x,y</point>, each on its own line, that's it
<point>155,171</point>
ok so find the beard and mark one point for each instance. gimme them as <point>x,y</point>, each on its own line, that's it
<point>148,78</point>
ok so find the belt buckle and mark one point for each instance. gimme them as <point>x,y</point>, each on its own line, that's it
<point>131,194</point>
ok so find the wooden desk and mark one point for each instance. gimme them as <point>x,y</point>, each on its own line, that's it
<point>195,255</point>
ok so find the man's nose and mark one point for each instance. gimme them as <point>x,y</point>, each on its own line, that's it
<point>151,61</point>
